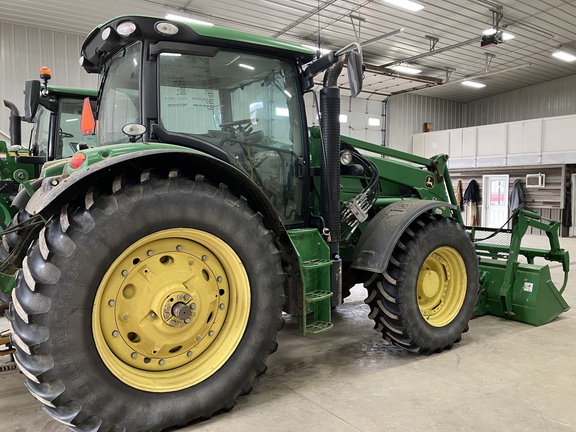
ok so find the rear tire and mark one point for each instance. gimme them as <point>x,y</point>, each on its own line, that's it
<point>102,304</point>
<point>426,297</point>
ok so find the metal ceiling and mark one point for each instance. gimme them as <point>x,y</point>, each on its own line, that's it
<point>445,36</point>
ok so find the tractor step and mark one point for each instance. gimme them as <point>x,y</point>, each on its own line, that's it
<point>316,327</point>
<point>314,259</point>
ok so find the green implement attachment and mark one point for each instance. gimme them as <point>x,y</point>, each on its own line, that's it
<point>521,291</point>
<point>314,260</point>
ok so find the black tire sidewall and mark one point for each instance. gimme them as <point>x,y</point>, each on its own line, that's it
<point>77,362</point>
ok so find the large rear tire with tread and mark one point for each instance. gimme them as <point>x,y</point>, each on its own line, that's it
<point>147,305</point>
<point>425,298</point>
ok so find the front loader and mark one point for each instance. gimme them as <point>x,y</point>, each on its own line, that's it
<point>153,293</point>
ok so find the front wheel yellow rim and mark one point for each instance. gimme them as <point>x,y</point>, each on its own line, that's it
<point>171,310</point>
<point>442,283</point>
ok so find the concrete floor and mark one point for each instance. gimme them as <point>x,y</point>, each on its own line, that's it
<point>503,376</point>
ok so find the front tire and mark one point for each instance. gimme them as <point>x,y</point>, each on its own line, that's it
<point>147,306</point>
<point>426,297</point>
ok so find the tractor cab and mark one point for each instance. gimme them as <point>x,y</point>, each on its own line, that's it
<point>55,113</point>
<point>241,107</point>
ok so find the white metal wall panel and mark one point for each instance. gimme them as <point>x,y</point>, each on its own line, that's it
<point>357,111</point>
<point>540,141</point>
<point>407,113</point>
<point>23,50</point>
<point>552,98</point>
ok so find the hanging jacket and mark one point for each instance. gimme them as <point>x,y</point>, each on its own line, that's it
<point>472,193</point>
<point>517,199</point>
<point>459,199</point>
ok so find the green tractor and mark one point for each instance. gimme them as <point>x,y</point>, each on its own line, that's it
<point>55,113</point>
<point>163,259</point>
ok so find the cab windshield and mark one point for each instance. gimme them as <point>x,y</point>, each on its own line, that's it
<point>245,104</point>
<point>120,97</point>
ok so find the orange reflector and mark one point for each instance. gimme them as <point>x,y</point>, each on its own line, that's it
<point>77,160</point>
<point>45,73</point>
<point>87,123</point>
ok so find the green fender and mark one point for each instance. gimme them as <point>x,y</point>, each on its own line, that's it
<point>380,237</point>
<point>57,190</point>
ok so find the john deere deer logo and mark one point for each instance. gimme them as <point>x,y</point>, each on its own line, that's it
<point>430,182</point>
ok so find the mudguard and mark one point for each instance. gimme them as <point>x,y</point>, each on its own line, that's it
<point>57,190</point>
<point>378,240</point>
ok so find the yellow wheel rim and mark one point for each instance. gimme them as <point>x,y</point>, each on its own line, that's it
<point>171,310</point>
<point>442,285</point>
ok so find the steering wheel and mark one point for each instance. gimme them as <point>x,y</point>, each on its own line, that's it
<point>63,134</point>
<point>236,126</point>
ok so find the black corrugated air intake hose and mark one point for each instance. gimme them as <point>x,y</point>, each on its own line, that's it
<point>330,170</point>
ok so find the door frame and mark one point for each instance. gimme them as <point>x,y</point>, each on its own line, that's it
<point>486,196</point>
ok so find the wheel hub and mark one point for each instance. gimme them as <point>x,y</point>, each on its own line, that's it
<point>164,303</point>
<point>441,286</point>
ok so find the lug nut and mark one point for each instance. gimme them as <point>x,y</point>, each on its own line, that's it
<point>111,303</point>
<point>161,362</point>
<point>204,257</point>
<point>125,317</point>
<point>211,333</point>
<point>190,262</point>
<point>172,323</point>
<point>222,306</point>
<point>189,353</point>
<point>192,305</point>
<point>115,333</point>
<point>219,279</point>
<point>187,320</point>
<point>149,253</point>
<point>152,315</point>
<point>134,355</point>
<point>186,297</point>
<point>166,315</point>
<point>178,248</point>
<point>198,338</point>
<point>124,273</point>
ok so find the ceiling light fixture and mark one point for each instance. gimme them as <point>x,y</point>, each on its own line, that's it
<point>406,4</point>
<point>505,35</point>
<point>186,19</point>
<point>406,69</point>
<point>564,55</point>
<point>473,84</point>
<point>245,66</point>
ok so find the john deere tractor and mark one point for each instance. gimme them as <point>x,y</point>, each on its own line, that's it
<point>56,134</point>
<point>153,292</point>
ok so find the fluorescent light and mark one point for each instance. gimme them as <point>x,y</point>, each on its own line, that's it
<point>373,121</point>
<point>565,56</point>
<point>406,69</point>
<point>169,54</point>
<point>71,120</point>
<point>287,93</point>
<point>245,66</point>
<point>323,51</point>
<point>505,35</point>
<point>473,84</point>
<point>343,118</point>
<point>185,19</point>
<point>406,4</point>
